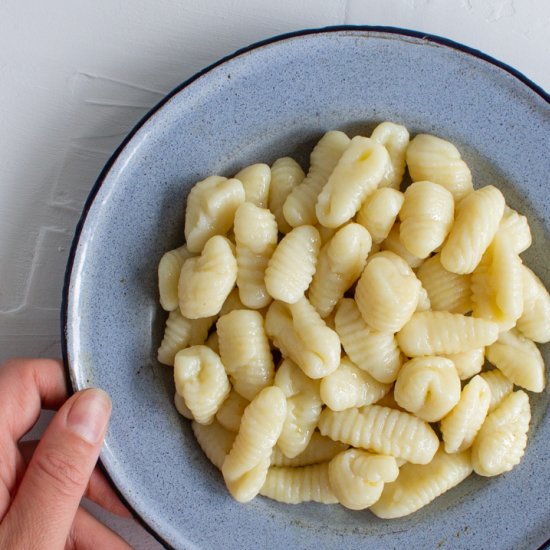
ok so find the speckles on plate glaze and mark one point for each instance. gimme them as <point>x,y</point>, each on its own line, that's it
<point>280,99</point>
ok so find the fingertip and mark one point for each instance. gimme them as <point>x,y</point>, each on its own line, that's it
<point>89,415</point>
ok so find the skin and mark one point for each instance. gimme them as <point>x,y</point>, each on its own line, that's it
<point>42,482</point>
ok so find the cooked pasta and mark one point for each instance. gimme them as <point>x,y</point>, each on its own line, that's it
<point>382,430</point>
<point>534,322</point>
<point>245,467</point>
<point>392,243</point>
<point>501,442</point>
<point>206,281</point>
<point>231,411</point>
<point>426,217</point>
<point>515,230</point>
<point>468,363</point>
<point>303,405</point>
<point>434,159</point>
<point>254,248</point>
<point>387,293</point>
<point>357,174</point>
<point>374,352</point>
<point>256,179</point>
<point>477,220</point>
<point>427,386</point>
<point>181,407</point>
<point>299,207</point>
<point>460,427</point>
<point>292,265</point>
<point>419,287</point>
<point>296,485</point>
<point>447,291</point>
<point>417,485</point>
<point>519,360</point>
<point>211,207</point>
<point>201,380</point>
<point>395,138</point>
<point>214,440</point>
<point>379,211</point>
<point>245,351</point>
<point>349,386</point>
<point>301,335</point>
<point>286,174</point>
<point>168,276</point>
<point>357,477</point>
<point>181,332</point>
<point>340,263</point>
<point>320,449</point>
<point>499,385</point>
<point>444,333</point>
<point>497,285</point>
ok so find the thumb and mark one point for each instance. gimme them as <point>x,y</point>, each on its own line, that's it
<point>48,497</point>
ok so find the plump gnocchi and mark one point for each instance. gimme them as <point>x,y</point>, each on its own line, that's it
<point>286,174</point>
<point>383,430</point>
<point>434,159</point>
<point>501,442</point>
<point>293,485</point>
<point>211,207</point>
<point>357,477</point>
<point>519,360</point>
<point>299,207</point>
<point>256,238</point>
<point>168,275</point>
<point>387,293</point>
<point>256,179</point>
<point>349,386</point>
<point>497,285</point>
<point>300,333</point>
<point>419,288</point>
<point>426,217</point>
<point>379,211</point>
<point>340,263</point>
<point>245,351</point>
<point>245,467</point>
<point>374,352</point>
<point>395,138</point>
<point>357,174</point>
<point>201,380</point>
<point>476,223</point>
<point>206,281</point>
<point>460,427</point>
<point>419,484</point>
<point>303,404</point>
<point>429,387</point>
<point>181,332</point>
<point>291,267</point>
<point>534,322</point>
<point>447,291</point>
<point>443,333</point>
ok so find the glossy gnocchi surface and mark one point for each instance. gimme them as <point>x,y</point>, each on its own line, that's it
<point>333,334</point>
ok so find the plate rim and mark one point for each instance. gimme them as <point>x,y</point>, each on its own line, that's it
<point>367,29</point>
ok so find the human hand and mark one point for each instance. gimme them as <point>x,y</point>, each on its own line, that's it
<point>40,501</point>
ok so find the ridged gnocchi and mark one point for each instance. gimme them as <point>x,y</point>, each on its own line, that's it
<point>420,284</point>
<point>340,263</point>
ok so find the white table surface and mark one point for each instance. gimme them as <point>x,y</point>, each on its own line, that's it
<point>75,76</point>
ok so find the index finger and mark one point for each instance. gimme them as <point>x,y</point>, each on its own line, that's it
<point>27,386</point>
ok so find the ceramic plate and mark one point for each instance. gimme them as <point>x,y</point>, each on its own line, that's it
<point>273,99</point>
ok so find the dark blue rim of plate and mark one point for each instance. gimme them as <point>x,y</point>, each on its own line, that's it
<point>99,182</point>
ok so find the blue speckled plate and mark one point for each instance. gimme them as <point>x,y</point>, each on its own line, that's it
<point>273,99</point>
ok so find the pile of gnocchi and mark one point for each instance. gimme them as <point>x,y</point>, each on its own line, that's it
<point>338,340</point>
